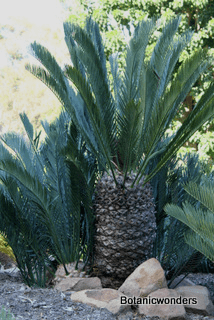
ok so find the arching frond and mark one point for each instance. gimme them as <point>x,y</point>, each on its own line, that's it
<point>204,245</point>
<point>202,112</point>
<point>202,193</point>
<point>134,69</point>
<point>200,221</point>
<point>49,62</point>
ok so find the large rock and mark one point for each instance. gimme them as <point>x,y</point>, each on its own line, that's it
<point>104,298</point>
<point>12,274</point>
<point>171,309</point>
<point>146,282</point>
<point>197,299</point>
<point>78,284</point>
<point>148,277</point>
<point>60,273</point>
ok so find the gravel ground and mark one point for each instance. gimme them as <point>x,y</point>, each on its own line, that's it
<point>36,304</point>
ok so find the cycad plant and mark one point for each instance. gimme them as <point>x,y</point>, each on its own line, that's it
<point>45,201</point>
<point>124,124</point>
<point>199,219</point>
<point>170,247</point>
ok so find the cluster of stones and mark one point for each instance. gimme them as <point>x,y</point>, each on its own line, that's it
<point>146,288</point>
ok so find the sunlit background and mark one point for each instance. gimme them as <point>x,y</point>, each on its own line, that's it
<point>40,12</point>
<point>21,23</point>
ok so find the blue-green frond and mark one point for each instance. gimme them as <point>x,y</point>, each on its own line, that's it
<point>200,223</point>
<point>50,82</point>
<point>72,47</point>
<point>161,84</point>
<point>164,46</point>
<point>95,115</point>
<point>92,29</point>
<point>129,137</point>
<point>205,244</point>
<point>27,125</point>
<point>91,55</point>
<point>202,112</point>
<point>203,193</point>
<point>135,60</point>
<point>49,62</point>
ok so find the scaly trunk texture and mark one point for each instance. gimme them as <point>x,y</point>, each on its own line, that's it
<point>125,226</point>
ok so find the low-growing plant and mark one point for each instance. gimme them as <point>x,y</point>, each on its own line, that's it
<point>6,315</point>
<point>170,248</point>
<point>46,197</point>
<point>198,218</point>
